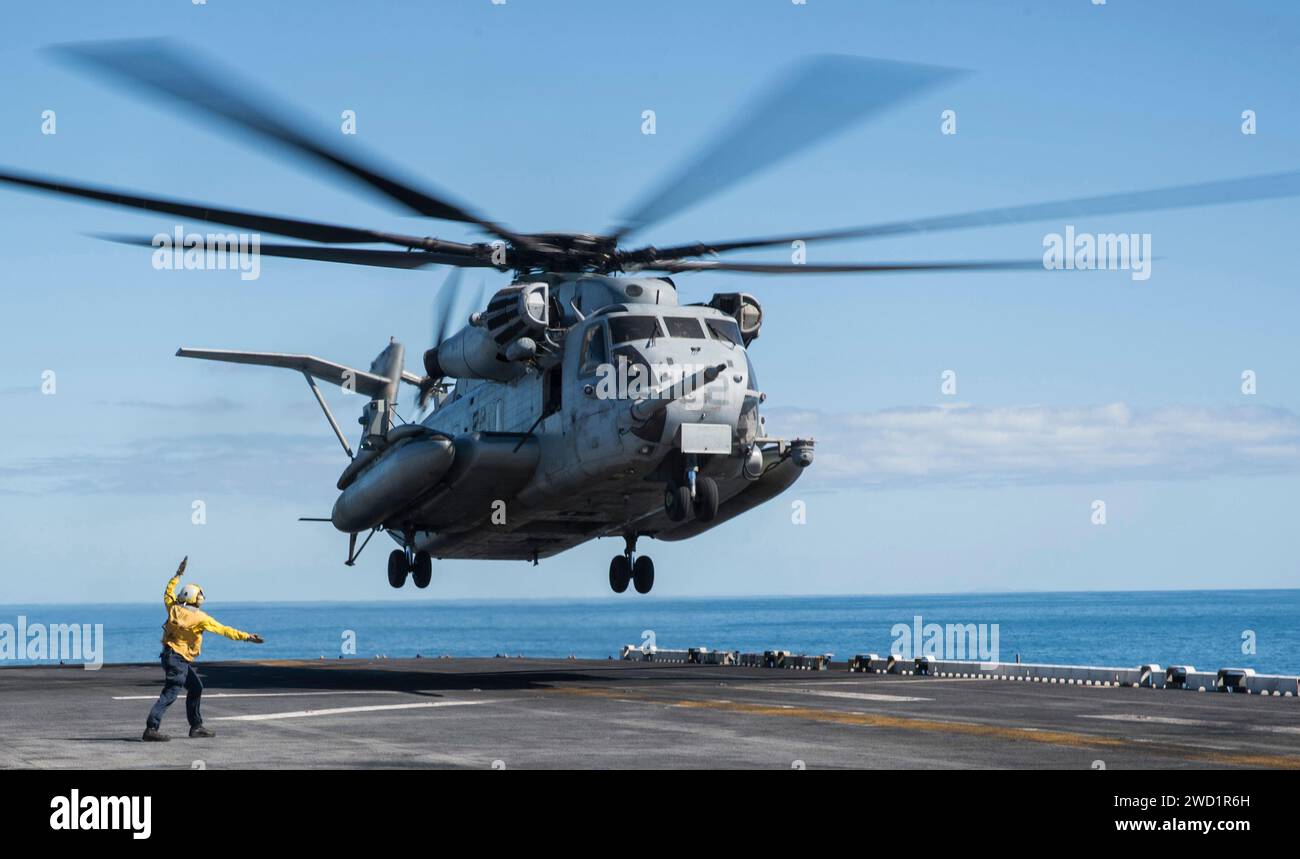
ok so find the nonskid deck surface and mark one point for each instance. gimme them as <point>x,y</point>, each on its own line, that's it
<point>528,713</point>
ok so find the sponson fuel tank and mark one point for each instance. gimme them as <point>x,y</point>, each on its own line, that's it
<point>397,478</point>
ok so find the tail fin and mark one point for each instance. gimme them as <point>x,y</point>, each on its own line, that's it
<point>388,364</point>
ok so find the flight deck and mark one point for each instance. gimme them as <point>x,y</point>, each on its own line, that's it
<point>514,713</point>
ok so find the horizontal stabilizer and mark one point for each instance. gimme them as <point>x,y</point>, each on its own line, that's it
<point>361,381</point>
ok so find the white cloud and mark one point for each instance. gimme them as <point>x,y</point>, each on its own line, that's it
<point>262,464</point>
<point>967,445</point>
<point>209,406</point>
<point>942,445</point>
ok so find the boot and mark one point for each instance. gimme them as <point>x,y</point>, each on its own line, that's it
<point>200,731</point>
<point>153,735</point>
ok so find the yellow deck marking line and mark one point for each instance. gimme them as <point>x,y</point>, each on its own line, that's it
<point>336,711</point>
<point>897,682</point>
<point>830,693</point>
<point>1069,739</point>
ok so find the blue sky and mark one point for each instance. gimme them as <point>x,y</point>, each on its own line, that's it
<point>1071,388</point>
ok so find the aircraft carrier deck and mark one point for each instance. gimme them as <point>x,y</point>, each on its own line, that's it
<point>530,713</point>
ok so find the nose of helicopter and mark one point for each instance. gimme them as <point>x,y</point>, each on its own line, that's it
<point>713,381</point>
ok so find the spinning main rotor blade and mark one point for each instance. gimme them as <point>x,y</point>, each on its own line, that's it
<point>1173,197</point>
<point>823,97</point>
<point>843,268</point>
<point>164,69</point>
<point>352,256</point>
<point>292,227</point>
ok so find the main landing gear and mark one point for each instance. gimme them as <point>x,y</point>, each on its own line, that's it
<point>403,561</point>
<point>623,570</point>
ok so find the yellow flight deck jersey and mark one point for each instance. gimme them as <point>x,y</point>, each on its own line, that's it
<point>183,631</point>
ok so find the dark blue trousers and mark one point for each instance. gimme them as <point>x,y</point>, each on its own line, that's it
<point>178,673</point>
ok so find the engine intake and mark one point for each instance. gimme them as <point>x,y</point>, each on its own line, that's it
<point>497,339</point>
<point>742,307</point>
<point>515,311</point>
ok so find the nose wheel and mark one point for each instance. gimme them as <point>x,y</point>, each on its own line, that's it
<point>706,499</point>
<point>677,501</point>
<point>624,570</point>
<point>698,495</point>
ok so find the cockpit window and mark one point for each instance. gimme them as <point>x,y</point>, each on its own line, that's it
<point>724,329</point>
<point>684,326</point>
<point>624,329</point>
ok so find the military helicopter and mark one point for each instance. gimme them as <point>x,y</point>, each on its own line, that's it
<point>585,399</point>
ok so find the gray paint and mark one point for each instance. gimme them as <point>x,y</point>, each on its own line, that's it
<point>596,467</point>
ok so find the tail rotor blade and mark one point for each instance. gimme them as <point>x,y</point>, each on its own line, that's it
<point>444,308</point>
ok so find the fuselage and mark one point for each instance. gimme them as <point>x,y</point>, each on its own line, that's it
<point>626,341</point>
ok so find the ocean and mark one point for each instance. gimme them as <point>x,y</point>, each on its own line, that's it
<point>1257,629</point>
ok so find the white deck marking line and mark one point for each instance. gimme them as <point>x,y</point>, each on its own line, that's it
<point>338,711</point>
<point>1199,723</point>
<point>856,696</point>
<point>1158,720</point>
<point>207,695</point>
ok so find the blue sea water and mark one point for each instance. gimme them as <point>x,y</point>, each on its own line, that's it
<point>1208,629</point>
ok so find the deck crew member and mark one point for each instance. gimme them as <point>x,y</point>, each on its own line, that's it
<point>182,640</point>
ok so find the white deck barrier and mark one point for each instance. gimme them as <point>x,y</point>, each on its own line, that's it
<point>1148,675</point>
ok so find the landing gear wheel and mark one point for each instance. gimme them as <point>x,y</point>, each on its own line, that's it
<point>643,575</point>
<point>620,573</point>
<point>422,571</point>
<point>397,568</point>
<point>706,499</point>
<point>677,501</point>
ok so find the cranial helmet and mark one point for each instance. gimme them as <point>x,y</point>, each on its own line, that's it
<point>191,595</point>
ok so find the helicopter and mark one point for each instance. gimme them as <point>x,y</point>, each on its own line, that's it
<point>585,399</point>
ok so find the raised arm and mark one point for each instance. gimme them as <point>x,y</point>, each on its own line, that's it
<point>169,595</point>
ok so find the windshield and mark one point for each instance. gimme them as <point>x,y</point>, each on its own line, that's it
<point>725,329</point>
<point>684,326</point>
<point>623,329</point>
